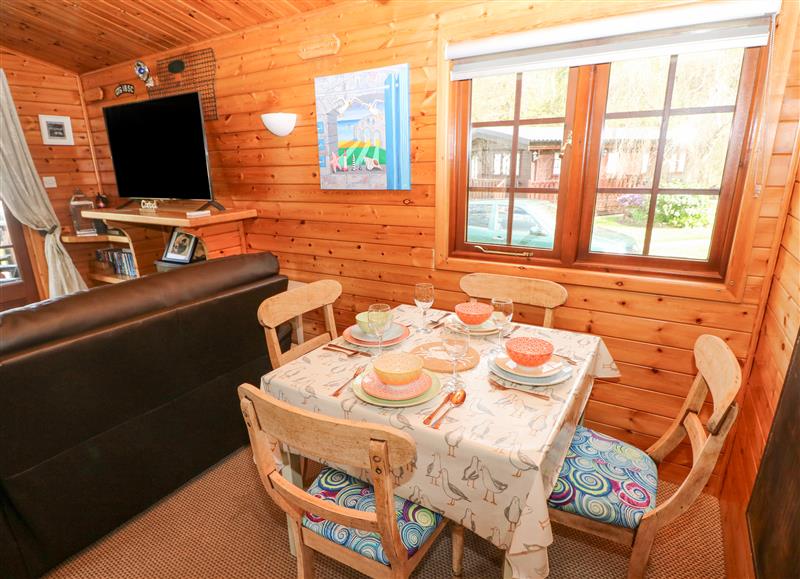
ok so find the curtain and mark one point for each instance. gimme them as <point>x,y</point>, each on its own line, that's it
<point>23,193</point>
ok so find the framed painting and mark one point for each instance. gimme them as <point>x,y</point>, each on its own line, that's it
<point>56,130</point>
<point>363,129</point>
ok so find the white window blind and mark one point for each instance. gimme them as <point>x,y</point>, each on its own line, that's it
<point>683,29</point>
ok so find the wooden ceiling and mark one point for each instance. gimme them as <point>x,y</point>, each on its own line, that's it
<point>84,35</point>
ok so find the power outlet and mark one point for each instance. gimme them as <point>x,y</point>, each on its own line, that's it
<point>49,182</point>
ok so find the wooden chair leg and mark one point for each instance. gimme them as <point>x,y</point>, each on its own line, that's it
<point>640,555</point>
<point>458,548</point>
<point>304,554</point>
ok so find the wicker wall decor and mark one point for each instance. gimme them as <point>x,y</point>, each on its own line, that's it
<point>190,71</point>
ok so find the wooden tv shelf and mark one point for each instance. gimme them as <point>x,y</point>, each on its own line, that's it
<point>147,234</point>
<point>168,217</point>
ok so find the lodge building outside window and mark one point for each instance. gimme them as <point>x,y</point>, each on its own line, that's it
<point>629,165</point>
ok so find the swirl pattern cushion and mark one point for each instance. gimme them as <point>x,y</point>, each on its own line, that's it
<point>416,523</point>
<point>606,480</point>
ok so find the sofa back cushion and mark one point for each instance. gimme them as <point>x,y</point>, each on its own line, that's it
<point>55,319</point>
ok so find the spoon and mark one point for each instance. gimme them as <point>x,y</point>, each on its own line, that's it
<point>457,399</point>
<point>438,408</point>
<point>356,374</point>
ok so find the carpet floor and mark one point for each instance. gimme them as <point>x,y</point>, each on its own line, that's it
<point>223,525</point>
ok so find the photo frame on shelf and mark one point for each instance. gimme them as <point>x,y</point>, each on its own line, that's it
<point>180,248</point>
<point>56,130</point>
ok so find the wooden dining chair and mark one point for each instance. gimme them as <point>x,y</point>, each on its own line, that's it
<point>282,307</point>
<point>362,525</point>
<point>608,487</point>
<point>521,290</point>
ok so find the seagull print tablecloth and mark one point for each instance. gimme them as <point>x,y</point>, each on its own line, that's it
<point>494,461</point>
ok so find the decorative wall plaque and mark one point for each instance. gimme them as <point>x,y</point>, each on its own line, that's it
<point>324,45</point>
<point>124,88</point>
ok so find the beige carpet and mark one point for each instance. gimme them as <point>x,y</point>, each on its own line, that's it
<point>223,525</point>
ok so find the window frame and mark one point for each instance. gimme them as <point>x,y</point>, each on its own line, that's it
<point>21,291</point>
<point>586,105</point>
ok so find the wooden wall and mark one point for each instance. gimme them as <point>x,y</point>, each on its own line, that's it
<point>778,333</point>
<point>378,243</point>
<point>39,88</point>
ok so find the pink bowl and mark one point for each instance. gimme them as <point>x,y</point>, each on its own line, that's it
<point>529,352</point>
<point>473,313</point>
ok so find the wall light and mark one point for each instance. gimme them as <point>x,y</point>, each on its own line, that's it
<point>279,124</point>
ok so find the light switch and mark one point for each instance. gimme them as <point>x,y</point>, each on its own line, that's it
<point>49,182</point>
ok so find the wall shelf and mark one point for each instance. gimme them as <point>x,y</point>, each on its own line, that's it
<point>109,277</point>
<point>94,239</point>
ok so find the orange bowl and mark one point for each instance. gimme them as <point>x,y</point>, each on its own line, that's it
<point>473,313</point>
<point>529,352</point>
<point>397,368</point>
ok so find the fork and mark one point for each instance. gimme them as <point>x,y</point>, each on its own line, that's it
<point>338,351</point>
<point>439,321</point>
<point>346,350</point>
<point>499,386</point>
<point>355,375</point>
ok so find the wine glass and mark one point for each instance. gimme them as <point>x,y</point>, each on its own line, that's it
<point>379,318</point>
<point>501,318</point>
<point>455,338</point>
<point>423,297</point>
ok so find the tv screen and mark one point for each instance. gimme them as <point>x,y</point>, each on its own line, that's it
<point>158,148</point>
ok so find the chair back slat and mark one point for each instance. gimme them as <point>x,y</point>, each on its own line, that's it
<point>330,439</point>
<point>522,290</point>
<point>282,307</point>
<point>719,368</point>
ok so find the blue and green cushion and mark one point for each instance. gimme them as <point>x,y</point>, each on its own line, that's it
<point>416,523</point>
<point>606,480</point>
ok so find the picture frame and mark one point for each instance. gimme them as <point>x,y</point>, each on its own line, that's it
<point>56,130</point>
<point>180,248</point>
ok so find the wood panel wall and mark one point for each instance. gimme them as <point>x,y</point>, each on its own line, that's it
<point>39,88</point>
<point>379,243</point>
<point>777,337</point>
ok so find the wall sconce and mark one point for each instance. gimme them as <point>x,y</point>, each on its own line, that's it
<point>279,124</point>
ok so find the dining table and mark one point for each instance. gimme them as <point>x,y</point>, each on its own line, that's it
<point>496,458</point>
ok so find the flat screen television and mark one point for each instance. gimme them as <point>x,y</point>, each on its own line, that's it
<point>158,148</point>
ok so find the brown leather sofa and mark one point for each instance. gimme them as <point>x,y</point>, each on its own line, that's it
<point>113,398</point>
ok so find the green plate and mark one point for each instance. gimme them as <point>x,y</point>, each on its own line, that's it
<point>429,394</point>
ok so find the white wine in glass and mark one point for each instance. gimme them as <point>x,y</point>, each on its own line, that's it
<point>379,319</point>
<point>423,297</point>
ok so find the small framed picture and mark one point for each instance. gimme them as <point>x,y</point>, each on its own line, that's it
<point>56,130</point>
<point>180,248</point>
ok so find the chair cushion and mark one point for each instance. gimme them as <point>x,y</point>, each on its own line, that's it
<point>606,480</point>
<point>416,523</point>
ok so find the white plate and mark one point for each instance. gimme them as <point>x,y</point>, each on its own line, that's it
<point>564,374</point>
<point>485,329</point>
<point>552,381</point>
<point>550,368</point>
<point>393,332</point>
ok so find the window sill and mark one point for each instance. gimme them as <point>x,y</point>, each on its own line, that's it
<point>646,283</point>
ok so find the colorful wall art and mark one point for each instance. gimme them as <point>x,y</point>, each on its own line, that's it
<point>363,129</point>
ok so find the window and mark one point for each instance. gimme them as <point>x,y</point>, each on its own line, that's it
<point>17,286</point>
<point>652,186</point>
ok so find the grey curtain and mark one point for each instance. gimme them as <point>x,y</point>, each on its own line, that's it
<point>22,192</point>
